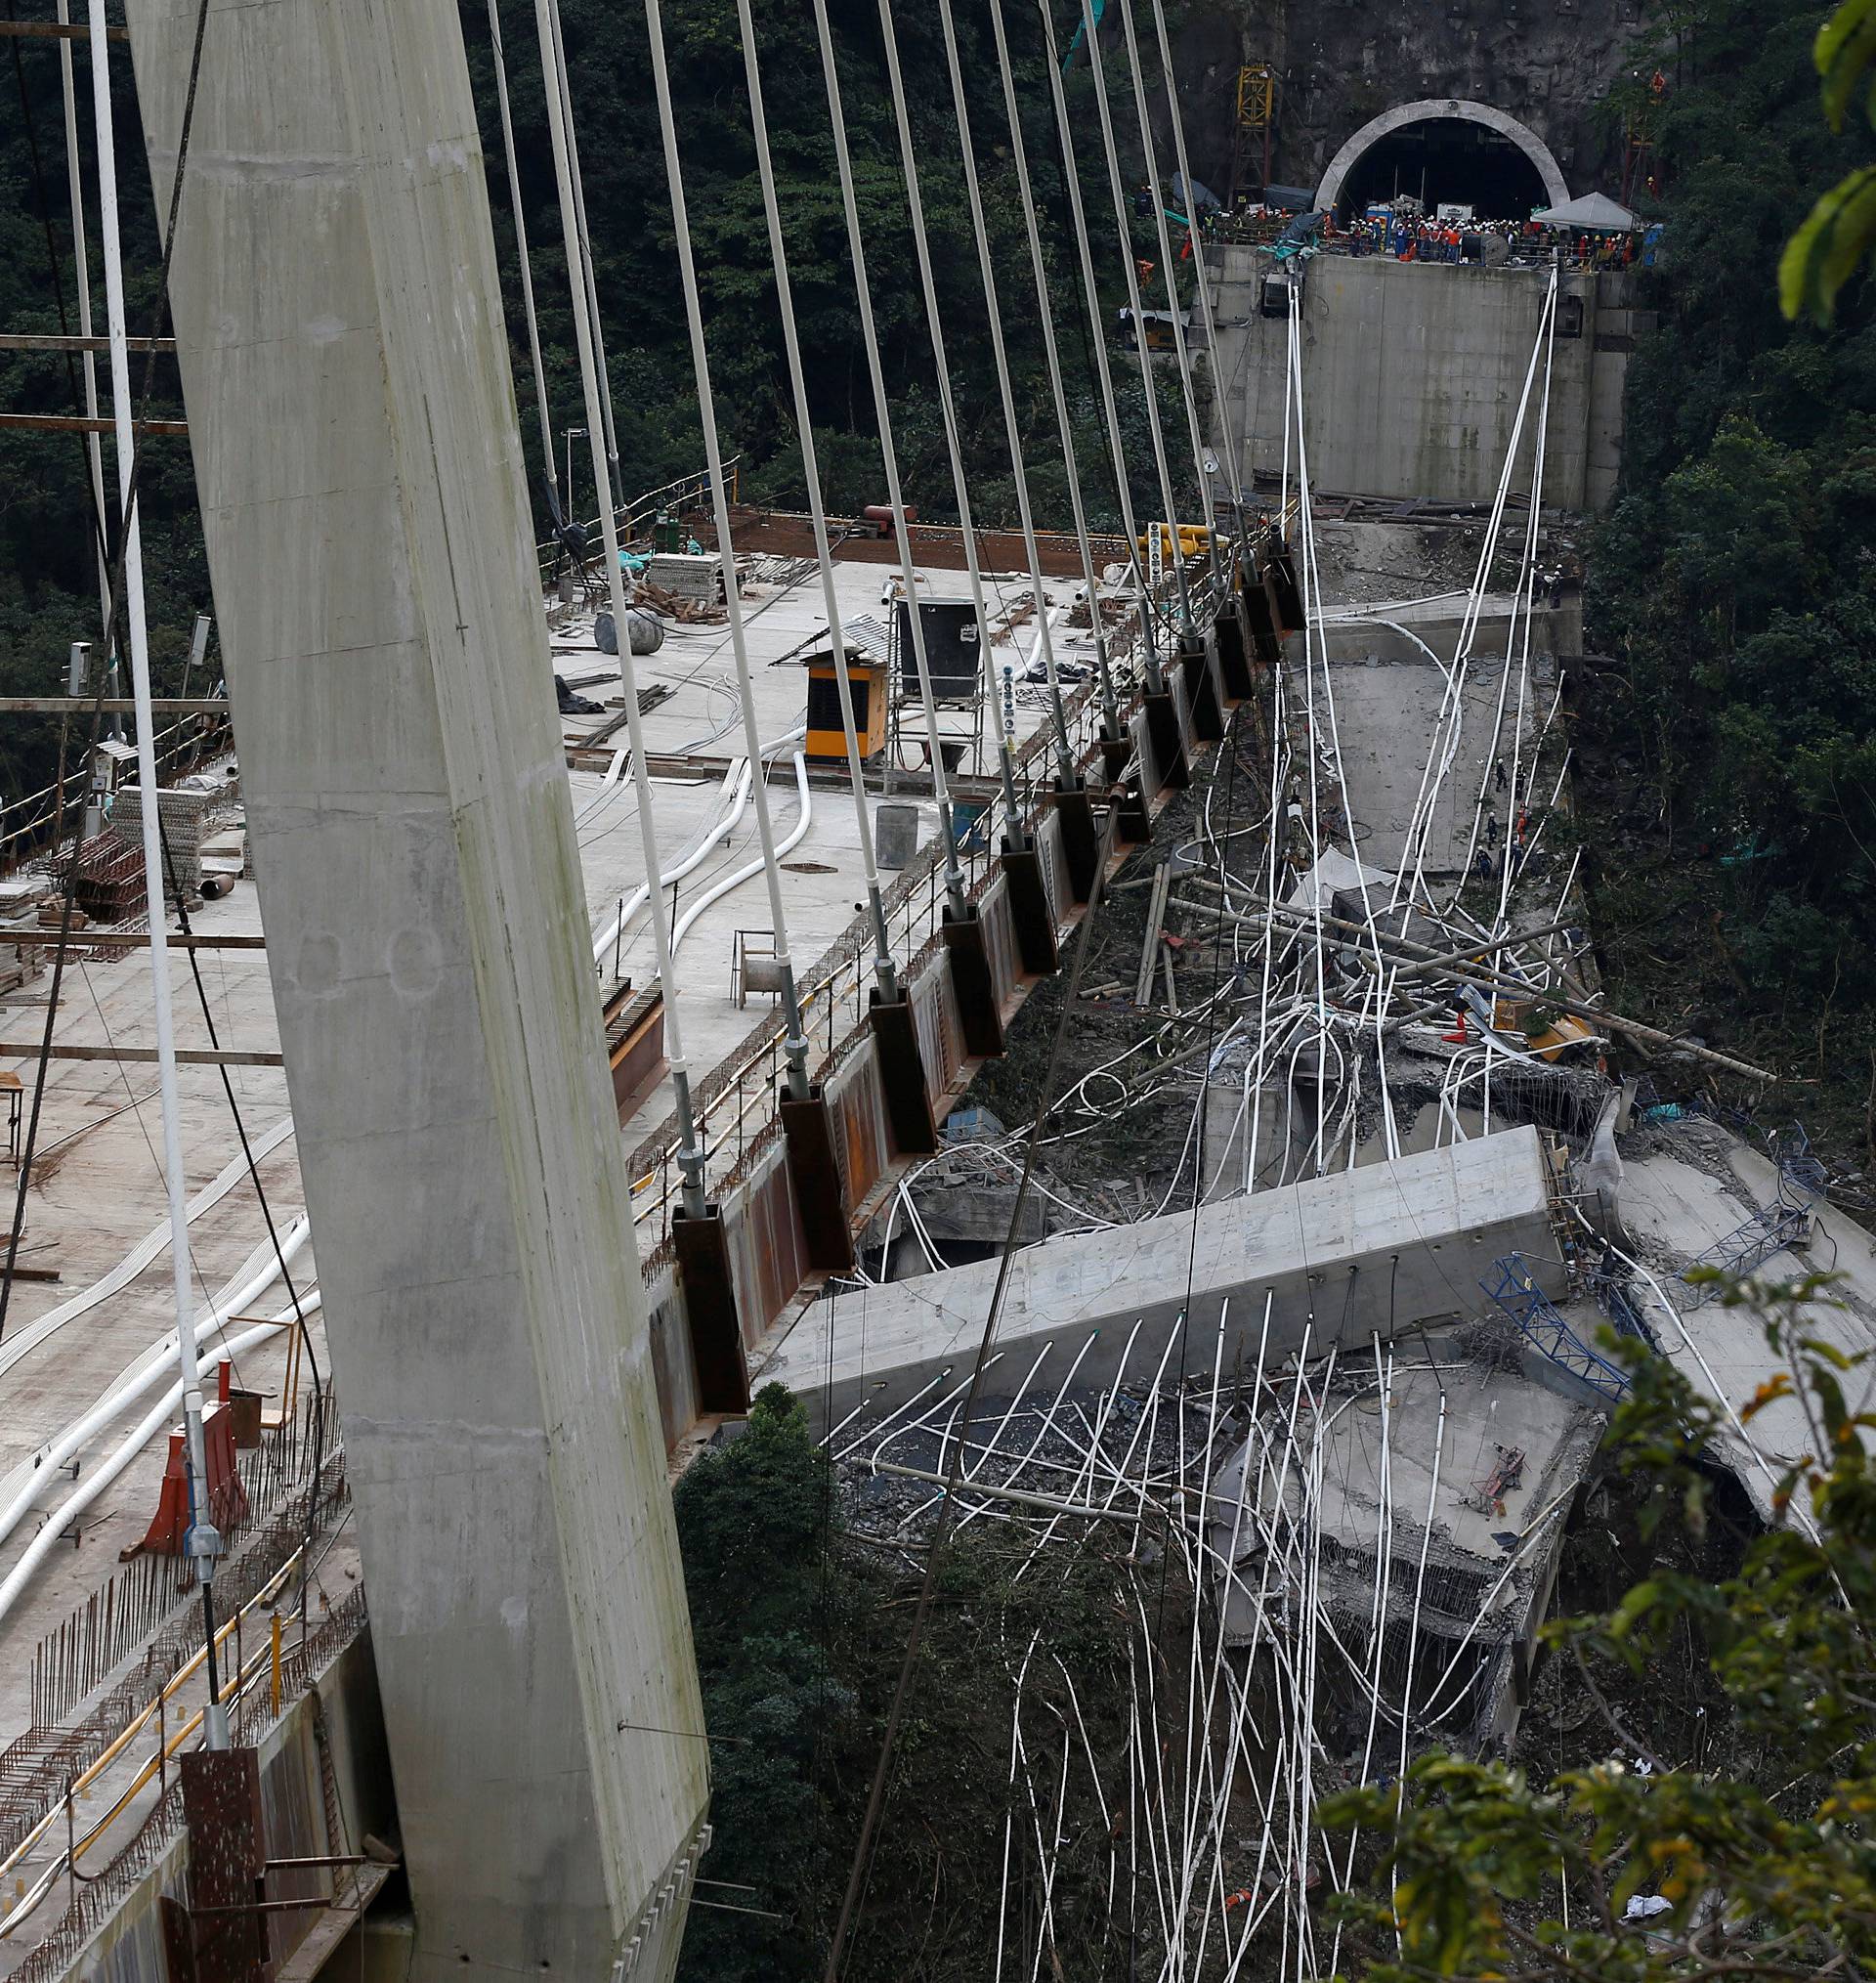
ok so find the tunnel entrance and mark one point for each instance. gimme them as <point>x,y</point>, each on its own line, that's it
<point>1464,154</point>
<point>1441,160</point>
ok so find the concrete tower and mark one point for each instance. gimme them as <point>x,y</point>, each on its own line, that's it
<point>353,419</point>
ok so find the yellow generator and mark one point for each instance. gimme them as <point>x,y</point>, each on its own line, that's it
<point>826,733</point>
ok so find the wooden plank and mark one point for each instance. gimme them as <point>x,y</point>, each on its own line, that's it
<point>134,939</point>
<point>56,30</point>
<point>1150,947</point>
<point>112,706</point>
<point>35,340</point>
<point>185,1056</point>
<point>78,423</point>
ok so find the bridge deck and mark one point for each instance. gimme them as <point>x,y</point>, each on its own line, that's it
<point>98,1189</point>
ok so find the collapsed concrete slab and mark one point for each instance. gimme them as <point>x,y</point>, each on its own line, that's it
<point>1374,1251</point>
<point>1437,1511</point>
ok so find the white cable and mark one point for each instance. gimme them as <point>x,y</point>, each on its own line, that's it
<point>882,414</point>
<point>589,281</point>
<point>1182,356</point>
<point>94,441</point>
<point>1000,357</point>
<point>817,511</point>
<point>1202,286</point>
<point>156,894</point>
<point>796,1044</point>
<point>1097,340</point>
<point>718,828</point>
<point>691,1156</point>
<point>948,411</point>
<point>521,250</point>
<point>1124,234</point>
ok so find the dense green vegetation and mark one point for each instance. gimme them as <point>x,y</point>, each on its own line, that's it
<point>1732,738</point>
<point>800,1626</point>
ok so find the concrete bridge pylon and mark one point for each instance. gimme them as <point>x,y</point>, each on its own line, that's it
<point>351,415</point>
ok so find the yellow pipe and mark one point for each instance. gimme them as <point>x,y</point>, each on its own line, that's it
<point>236,1685</point>
<point>139,1720</point>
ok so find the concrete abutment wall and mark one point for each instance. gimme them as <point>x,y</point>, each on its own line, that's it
<point>1412,374</point>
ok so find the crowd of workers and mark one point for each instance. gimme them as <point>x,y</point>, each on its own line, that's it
<point>1415,237</point>
<point>1408,234</point>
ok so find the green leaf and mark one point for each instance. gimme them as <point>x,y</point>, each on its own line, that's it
<point>1846,47</point>
<point>1819,258</point>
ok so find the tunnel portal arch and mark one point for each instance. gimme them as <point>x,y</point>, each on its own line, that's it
<point>1433,110</point>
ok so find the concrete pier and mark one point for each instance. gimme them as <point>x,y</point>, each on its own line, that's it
<point>352,418</point>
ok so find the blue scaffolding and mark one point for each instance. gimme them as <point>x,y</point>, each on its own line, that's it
<point>1614,1295</point>
<point>1798,1167</point>
<point>1747,1247</point>
<point>1516,1292</point>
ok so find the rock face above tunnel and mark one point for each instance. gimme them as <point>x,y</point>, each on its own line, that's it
<point>1342,63</point>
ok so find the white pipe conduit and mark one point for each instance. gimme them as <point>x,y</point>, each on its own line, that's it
<point>743,874</point>
<point>714,835</point>
<point>719,831</point>
<point>22,1342</point>
<point>21,1487</point>
<point>106,1472</point>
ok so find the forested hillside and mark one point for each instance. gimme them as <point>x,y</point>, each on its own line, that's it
<point>1729,744</point>
<point>48,586</point>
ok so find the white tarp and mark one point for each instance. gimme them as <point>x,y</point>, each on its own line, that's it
<point>1595,212</point>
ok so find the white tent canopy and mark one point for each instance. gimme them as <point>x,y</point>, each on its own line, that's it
<point>1595,212</point>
